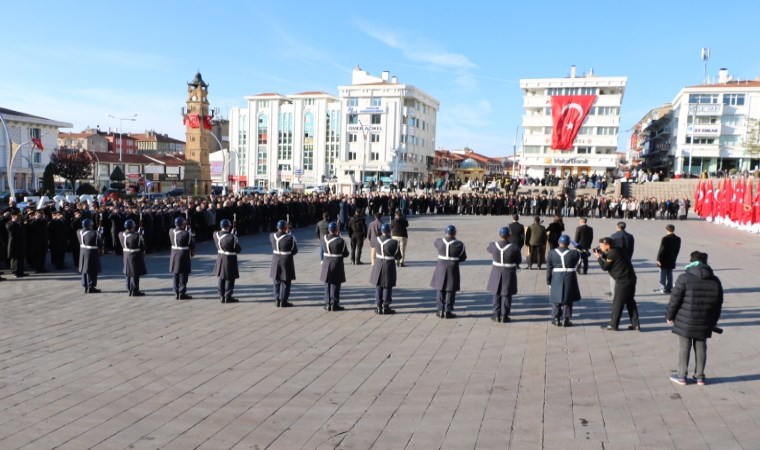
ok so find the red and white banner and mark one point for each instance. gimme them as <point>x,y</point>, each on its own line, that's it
<point>193,120</point>
<point>207,122</point>
<point>38,143</point>
<point>568,114</point>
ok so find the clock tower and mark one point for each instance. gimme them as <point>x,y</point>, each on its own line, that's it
<point>198,143</point>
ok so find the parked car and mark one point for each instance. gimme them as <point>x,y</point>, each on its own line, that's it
<point>152,195</point>
<point>281,191</point>
<point>176,192</point>
<point>253,190</point>
<point>315,189</point>
<point>385,189</point>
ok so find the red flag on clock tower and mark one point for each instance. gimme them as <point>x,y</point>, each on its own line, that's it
<point>568,114</point>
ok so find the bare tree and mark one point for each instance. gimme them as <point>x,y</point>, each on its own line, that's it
<point>71,165</point>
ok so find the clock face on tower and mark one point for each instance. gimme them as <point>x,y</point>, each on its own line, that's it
<point>193,98</point>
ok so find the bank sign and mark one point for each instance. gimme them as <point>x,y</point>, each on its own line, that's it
<point>366,129</point>
<point>366,110</point>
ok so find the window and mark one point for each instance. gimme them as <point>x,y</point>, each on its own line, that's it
<point>375,102</point>
<point>37,158</point>
<point>285,136</point>
<point>353,119</point>
<point>374,137</point>
<point>730,140</point>
<point>34,133</point>
<point>263,130</point>
<point>374,119</point>
<point>703,99</point>
<point>702,120</point>
<point>351,155</point>
<point>308,141</point>
<point>532,149</point>
<point>583,130</point>
<point>308,101</point>
<point>733,120</point>
<point>733,99</point>
<point>353,102</point>
<point>261,160</point>
<point>606,131</point>
<point>584,150</point>
<point>700,140</point>
<point>352,137</point>
<point>606,111</point>
<point>374,156</point>
<point>263,103</point>
<point>332,126</point>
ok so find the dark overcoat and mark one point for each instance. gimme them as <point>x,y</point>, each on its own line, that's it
<point>503,279</point>
<point>450,253</point>
<point>134,254</point>
<point>335,250</point>
<point>696,302</point>
<point>284,247</point>
<point>584,236</point>
<point>384,271</point>
<point>90,243</point>
<point>562,277</point>
<point>183,244</point>
<point>670,245</point>
<point>517,233</point>
<point>227,248</point>
<point>16,240</point>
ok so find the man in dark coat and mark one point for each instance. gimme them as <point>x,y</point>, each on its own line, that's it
<point>517,232</point>
<point>563,281</point>
<point>283,270</point>
<point>373,233</point>
<point>553,232</point>
<point>333,273</point>
<point>615,261</point>
<point>694,310</point>
<point>535,240</point>
<point>37,246</point>
<point>623,240</point>
<point>76,225</point>
<point>383,275</point>
<point>399,232</point>
<point>667,255</point>
<point>90,246</point>
<point>357,231</point>
<point>59,240</point>
<point>446,276</point>
<point>133,246</point>
<point>226,267</point>
<point>16,244</point>
<point>584,239</point>
<point>502,282</point>
<point>180,263</point>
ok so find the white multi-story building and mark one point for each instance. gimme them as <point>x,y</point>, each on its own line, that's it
<point>286,140</point>
<point>378,130</point>
<point>390,131</point>
<point>30,160</point>
<point>595,147</point>
<point>711,124</point>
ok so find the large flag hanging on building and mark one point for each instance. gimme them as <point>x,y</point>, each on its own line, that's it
<point>193,120</point>
<point>207,122</point>
<point>568,114</point>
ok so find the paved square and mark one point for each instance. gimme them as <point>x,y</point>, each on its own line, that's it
<point>109,371</point>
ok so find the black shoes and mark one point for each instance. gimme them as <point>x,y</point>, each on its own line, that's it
<point>634,327</point>
<point>384,311</point>
<point>91,290</point>
<point>137,294</point>
<point>359,263</point>
<point>496,319</point>
<point>230,300</point>
<point>334,308</point>
<point>556,322</point>
<point>285,304</point>
<point>22,275</point>
<point>567,323</point>
<point>184,297</point>
<point>449,315</point>
<point>506,319</point>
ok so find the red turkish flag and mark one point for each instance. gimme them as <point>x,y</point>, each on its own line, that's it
<point>708,202</point>
<point>725,200</point>
<point>756,206</point>
<point>699,197</point>
<point>737,201</point>
<point>193,120</point>
<point>568,114</point>
<point>207,122</point>
<point>746,217</point>
<point>38,143</point>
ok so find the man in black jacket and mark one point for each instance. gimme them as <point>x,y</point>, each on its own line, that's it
<point>357,231</point>
<point>399,224</point>
<point>670,245</point>
<point>694,310</point>
<point>584,237</point>
<point>618,264</point>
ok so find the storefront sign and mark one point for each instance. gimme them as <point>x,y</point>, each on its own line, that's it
<point>367,128</point>
<point>706,110</point>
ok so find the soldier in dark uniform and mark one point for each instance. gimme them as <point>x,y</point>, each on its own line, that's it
<point>283,270</point>
<point>333,272</point>
<point>383,275</point>
<point>617,262</point>
<point>16,244</point>
<point>38,236</point>
<point>59,240</point>
<point>562,278</point>
<point>133,247</point>
<point>183,247</point>
<point>90,245</point>
<point>503,280</point>
<point>357,231</point>
<point>5,218</point>
<point>372,234</point>
<point>322,232</point>
<point>117,227</point>
<point>76,225</point>
<point>226,267</point>
<point>446,276</point>
<point>584,238</point>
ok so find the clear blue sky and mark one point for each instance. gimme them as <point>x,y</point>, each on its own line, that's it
<point>81,63</point>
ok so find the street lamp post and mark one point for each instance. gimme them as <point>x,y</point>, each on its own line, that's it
<point>364,155</point>
<point>121,120</point>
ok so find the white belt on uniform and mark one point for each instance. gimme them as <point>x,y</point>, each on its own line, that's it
<point>333,256</point>
<point>503,265</point>
<point>563,270</point>
<point>222,252</point>
<point>277,252</point>
<point>448,258</point>
<point>89,247</point>
<point>387,258</point>
<point>132,250</point>
<point>174,247</point>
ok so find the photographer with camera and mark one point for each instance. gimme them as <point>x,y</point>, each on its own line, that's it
<point>617,262</point>
<point>694,310</point>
